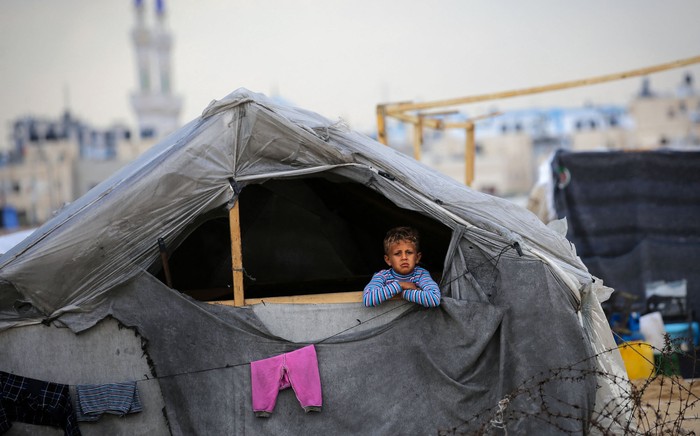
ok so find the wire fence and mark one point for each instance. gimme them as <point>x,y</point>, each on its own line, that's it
<point>657,400</point>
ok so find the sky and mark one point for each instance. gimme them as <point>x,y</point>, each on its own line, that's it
<point>339,58</point>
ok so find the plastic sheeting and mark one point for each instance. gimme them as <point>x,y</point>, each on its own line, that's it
<point>108,236</point>
<point>73,264</point>
<point>633,216</point>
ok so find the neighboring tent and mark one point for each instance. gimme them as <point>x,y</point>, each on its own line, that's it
<point>519,340</point>
<point>633,216</point>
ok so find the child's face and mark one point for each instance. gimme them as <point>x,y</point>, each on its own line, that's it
<point>402,257</point>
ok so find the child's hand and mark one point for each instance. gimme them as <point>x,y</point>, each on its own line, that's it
<point>408,285</point>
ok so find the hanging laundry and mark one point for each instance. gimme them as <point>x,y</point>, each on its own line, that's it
<point>297,369</point>
<point>114,398</point>
<point>37,402</point>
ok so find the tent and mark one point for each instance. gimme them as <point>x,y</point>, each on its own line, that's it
<point>642,228</point>
<point>136,280</point>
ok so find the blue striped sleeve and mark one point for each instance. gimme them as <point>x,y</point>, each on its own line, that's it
<point>379,289</point>
<point>428,294</point>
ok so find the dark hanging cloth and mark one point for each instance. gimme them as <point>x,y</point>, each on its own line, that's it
<point>633,216</point>
<point>37,402</point>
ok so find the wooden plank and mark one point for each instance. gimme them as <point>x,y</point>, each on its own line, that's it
<point>236,254</point>
<point>414,119</point>
<point>417,138</point>
<point>469,156</point>
<point>393,108</point>
<point>381,125</point>
<point>333,298</point>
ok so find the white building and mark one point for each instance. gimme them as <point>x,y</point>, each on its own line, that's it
<point>51,162</point>
<point>157,109</point>
<point>669,119</point>
<point>510,147</point>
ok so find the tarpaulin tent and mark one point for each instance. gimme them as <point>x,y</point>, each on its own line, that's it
<point>633,216</point>
<point>519,340</point>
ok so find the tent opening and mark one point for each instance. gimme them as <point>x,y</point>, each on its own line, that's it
<point>299,237</point>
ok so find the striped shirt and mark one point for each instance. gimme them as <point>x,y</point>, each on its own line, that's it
<point>385,284</point>
<point>115,398</point>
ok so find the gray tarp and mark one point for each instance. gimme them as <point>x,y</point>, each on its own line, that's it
<point>107,236</point>
<point>425,371</point>
<point>518,316</point>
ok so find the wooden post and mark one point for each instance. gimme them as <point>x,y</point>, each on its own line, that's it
<point>236,254</point>
<point>417,138</point>
<point>381,124</point>
<point>469,155</point>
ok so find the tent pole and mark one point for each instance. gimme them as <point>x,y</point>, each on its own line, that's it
<point>417,138</point>
<point>236,254</point>
<point>469,155</point>
<point>381,124</point>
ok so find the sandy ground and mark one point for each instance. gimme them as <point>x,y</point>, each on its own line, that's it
<point>668,405</point>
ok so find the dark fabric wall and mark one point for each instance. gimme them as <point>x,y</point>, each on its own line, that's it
<point>429,370</point>
<point>634,217</point>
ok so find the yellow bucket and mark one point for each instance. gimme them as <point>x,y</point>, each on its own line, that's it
<point>639,359</point>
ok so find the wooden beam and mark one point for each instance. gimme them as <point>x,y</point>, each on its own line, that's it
<point>469,156</point>
<point>406,118</point>
<point>441,124</point>
<point>334,298</point>
<point>402,107</point>
<point>417,138</point>
<point>381,125</point>
<point>236,254</point>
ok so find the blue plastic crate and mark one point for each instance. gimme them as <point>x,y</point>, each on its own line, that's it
<point>679,332</point>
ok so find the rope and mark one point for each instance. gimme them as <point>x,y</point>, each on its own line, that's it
<point>488,260</point>
<point>359,323</point>
<point>234,365</point>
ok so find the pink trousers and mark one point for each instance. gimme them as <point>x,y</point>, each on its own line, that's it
<point>297,369</point>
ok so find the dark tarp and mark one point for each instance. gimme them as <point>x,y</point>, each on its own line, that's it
<point>426,371</point>
<point>634,217</point>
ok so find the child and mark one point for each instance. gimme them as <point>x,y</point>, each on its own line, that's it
<point>402,253</point>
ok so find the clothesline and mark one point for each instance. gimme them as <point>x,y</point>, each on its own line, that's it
<point>359,323</point>
<point>234,365</point>
<point>147,378</point>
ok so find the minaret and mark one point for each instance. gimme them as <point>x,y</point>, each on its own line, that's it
<point>157,109</point>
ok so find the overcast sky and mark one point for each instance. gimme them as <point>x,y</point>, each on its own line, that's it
<point>338,57</point>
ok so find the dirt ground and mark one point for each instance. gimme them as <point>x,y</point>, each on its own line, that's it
<point>669,405</point>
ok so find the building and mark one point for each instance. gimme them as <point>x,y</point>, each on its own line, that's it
<point>51,162</point>
<point>667,120</point>
<point>157,109</point>
<point>510,147</point>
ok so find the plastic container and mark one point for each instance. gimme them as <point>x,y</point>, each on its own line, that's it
<point>639,359</point>
<point>681,333</point>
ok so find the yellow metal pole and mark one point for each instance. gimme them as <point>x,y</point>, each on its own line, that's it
<point>236,255</point>
<point>469,155</point>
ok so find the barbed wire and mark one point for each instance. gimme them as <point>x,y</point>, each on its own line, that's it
<point>663,403</point>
